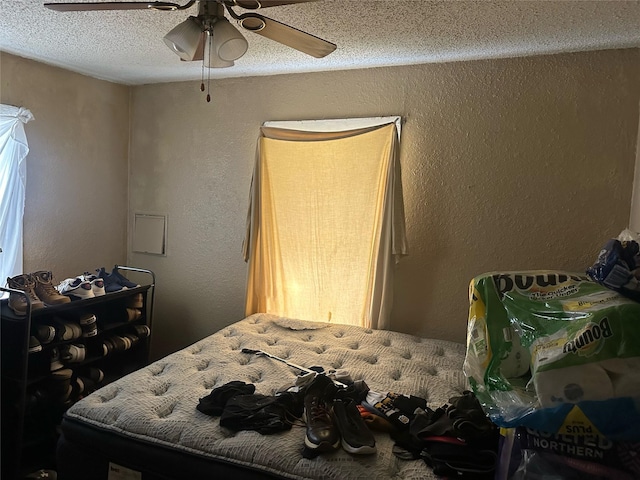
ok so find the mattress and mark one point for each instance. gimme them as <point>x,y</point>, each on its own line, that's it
<point>147,421</point>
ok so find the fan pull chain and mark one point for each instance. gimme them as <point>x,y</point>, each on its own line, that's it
<point>202,72</point>
<point>209,39</point>
<point>202,78</point>
<point>208,84</point>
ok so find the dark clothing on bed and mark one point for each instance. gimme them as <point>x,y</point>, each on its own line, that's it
<point>239,408</point>
<point>264,414</point>
<point>456,440</point>
<point>214,403</point>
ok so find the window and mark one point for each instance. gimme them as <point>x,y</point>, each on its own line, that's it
<point>325,224</point>
<point>13,179</point>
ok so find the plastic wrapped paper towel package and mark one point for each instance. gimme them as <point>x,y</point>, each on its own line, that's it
<point>528,454</point>
<point>556,352</point>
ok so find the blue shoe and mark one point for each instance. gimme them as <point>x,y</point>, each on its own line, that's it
<point>111,284</point>
<point>124,281</point>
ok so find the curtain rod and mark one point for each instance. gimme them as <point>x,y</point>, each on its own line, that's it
<point>335,124</point>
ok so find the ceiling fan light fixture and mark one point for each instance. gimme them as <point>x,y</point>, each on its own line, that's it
<point>229,43</point>
<point>183,40</point>
<point>211,58</point>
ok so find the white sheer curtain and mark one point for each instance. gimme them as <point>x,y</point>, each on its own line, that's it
<point>325,223</point>
<point>13,178</point>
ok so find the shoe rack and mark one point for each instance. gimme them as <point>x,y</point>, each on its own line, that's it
<point>40,382</point>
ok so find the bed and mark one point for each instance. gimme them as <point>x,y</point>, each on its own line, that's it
<point>146,425</point>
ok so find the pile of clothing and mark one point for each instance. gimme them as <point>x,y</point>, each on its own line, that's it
<point>330,413</point>
<point>455,440</point>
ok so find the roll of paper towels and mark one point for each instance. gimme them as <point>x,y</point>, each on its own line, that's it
<point>572,385</point>
<point>624,374</point>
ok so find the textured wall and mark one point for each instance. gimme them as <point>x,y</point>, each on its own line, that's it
<point>634,220</point>
<point>507,164</point>
<point>77,168</point>
<point>516,163</point>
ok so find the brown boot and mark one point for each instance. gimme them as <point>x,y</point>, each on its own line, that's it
<point>17,302</point>
<point>45,290</point>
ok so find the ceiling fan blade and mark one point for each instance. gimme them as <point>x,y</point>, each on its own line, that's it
<point>255,4</point>
<point>289,36</point>
<point>76,7</point>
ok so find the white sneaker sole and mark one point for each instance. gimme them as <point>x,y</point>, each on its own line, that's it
<point>363,450</point>
<point>323,447</point>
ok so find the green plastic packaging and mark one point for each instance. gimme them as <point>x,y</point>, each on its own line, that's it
<point>554,351</point>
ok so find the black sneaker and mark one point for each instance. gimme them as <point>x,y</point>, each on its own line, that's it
<point>322,434</point>
<point>356,436</point>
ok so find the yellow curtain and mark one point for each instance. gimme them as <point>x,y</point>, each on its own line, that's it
<point>325,224</point>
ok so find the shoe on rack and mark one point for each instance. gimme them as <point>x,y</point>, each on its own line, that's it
<point>34,345</point>
<point>78,387</point>
<point>74,353</point>
<point>133,314</point>
<point>42,474</point>
<point>94,374</point>
<point>59,383</point>
<point>76,288</point>
<point>67,330</point>
<point>91,379</point>
<point>356,436</point>
<point>142,331</point>
<point>97,283</point>
<point>124,281</point>
<point>135,301</point>
<point>44,333</point>
<point>89,385</point>
<point>88,323</point>
<point>108,347</point>
<point>133,339</point>
<point>45,290</point>
<point>322,434</point>
<point>59,388</point>
<point>17,301</point>
<point>56,364</point>
<point>111,283</point>
<point>120,343</point>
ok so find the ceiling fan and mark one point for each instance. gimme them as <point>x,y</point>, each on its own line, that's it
<point>208,36</point>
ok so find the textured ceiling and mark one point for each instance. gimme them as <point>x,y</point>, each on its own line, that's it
<point>127,47</point>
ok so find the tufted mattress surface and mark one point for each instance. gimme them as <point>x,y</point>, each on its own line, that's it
<point>156,405</point>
